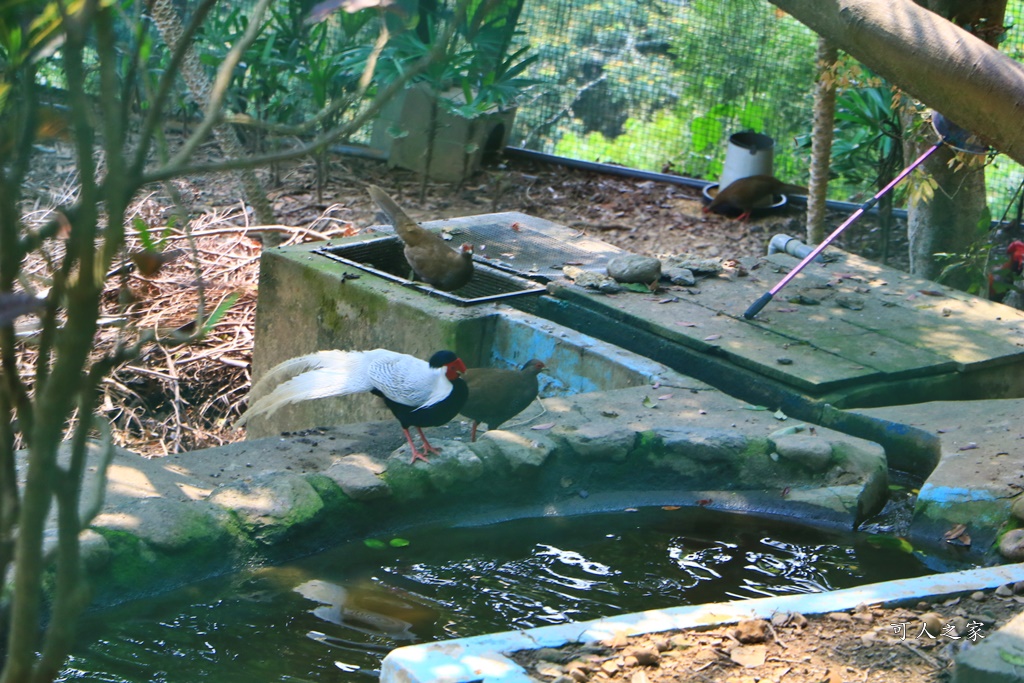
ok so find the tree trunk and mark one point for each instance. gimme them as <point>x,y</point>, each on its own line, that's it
<point>926,56</point>
<point>948,222</point>
<point>821,139</point>
<point>165,16</point>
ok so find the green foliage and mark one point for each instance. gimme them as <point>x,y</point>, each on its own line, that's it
<point>969,270</point>
<point>476,73</point>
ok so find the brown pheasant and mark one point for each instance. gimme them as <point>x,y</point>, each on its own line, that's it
<point>430,257</point>
<point>746,194</point>
<point>499,395</point>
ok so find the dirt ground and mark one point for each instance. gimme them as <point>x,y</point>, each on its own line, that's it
<point>866,645</point>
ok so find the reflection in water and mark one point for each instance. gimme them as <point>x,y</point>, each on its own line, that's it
<point>333,616</point>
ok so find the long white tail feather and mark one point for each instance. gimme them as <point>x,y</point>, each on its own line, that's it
<point>402,378</point>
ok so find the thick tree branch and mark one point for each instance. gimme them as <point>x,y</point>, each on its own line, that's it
<point>942,65</point>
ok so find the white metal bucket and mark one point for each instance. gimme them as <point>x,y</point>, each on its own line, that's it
<point>748,154</point>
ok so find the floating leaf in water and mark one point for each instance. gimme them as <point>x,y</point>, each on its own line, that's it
<point>398,542</point>
<point>1011,658</point>
<point>712,337</point>
<point>374,543</point>
<point>896,487</point>
<point>670,507</point>
<point>890,543</point>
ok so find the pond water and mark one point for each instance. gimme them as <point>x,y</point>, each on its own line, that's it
<point>334,615</point>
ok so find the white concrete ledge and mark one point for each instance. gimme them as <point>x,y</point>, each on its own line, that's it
<point>481,659</point>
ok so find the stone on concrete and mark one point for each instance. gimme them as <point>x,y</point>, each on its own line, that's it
<point>635,268</point>
<point>515,449</point>
<point>683,277</point>
<point>597,440</point>
<point>358,477</point>
<point>995,659</point>
<point>591,280</point>
<point>270,505</point>
<point>1011,545</point>
<point>455,466</point>
<point>810,452</point>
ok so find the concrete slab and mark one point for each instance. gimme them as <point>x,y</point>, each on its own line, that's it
<point>850,333</point>
<point>980,472</point>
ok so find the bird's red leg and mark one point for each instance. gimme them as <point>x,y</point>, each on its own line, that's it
<point>472,433</point>
<point>416,455</point>
<point>426,444</point>
<point>744,216</point>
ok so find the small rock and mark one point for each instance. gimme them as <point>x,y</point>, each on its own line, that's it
<point>749,656</point>
<point>661,644</point>
<point>592,280</point>
<point>933,621</point>
<point>1018,509</point>
<point>869,638</point>
<point>635,268</point>
<point>798,620</point>
<point>610,667</point>
<point>579,675</point>
<point>683,277</point>
<point>679,642</point>
<point>751,631</point>
<point>978,596</point>
<point>840,616</point>
<point>1018,587</point>
<point>645,655</point>
<point>1004,591</point>
<point>1011,545</point>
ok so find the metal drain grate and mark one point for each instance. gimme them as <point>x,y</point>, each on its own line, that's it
<point>383,256</point>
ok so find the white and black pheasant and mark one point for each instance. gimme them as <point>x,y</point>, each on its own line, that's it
<point>419,393</point>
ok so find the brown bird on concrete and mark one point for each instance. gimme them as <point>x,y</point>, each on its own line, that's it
<point>499,395</point>
<point>746,194</point>
<point>430,257</point>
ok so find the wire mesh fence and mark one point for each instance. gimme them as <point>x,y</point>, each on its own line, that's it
<point>661,84</point>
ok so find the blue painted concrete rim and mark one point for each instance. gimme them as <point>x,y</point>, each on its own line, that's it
<point>482,658</point>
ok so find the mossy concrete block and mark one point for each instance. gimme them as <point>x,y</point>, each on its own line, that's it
<point>702,444</point>
<point>994,659</point>
<point>93,548</point>
<point>597,440</point>
<point>513,449</point>
<point>359,477</point>
<point>270,505</point>
<point>171,525</point>
<point>812,453</point>
<point>456,466</point>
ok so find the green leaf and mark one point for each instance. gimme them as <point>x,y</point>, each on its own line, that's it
<point>647,402</point>
<point>219,312</point>
<point>398,542</point>
<point>636,287</point>
<point>1011,658</point>
<point>144,236</point>
<point>886,542</point>
<point>374,543</point>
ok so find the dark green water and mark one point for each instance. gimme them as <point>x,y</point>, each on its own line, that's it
<point>294,622</point>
